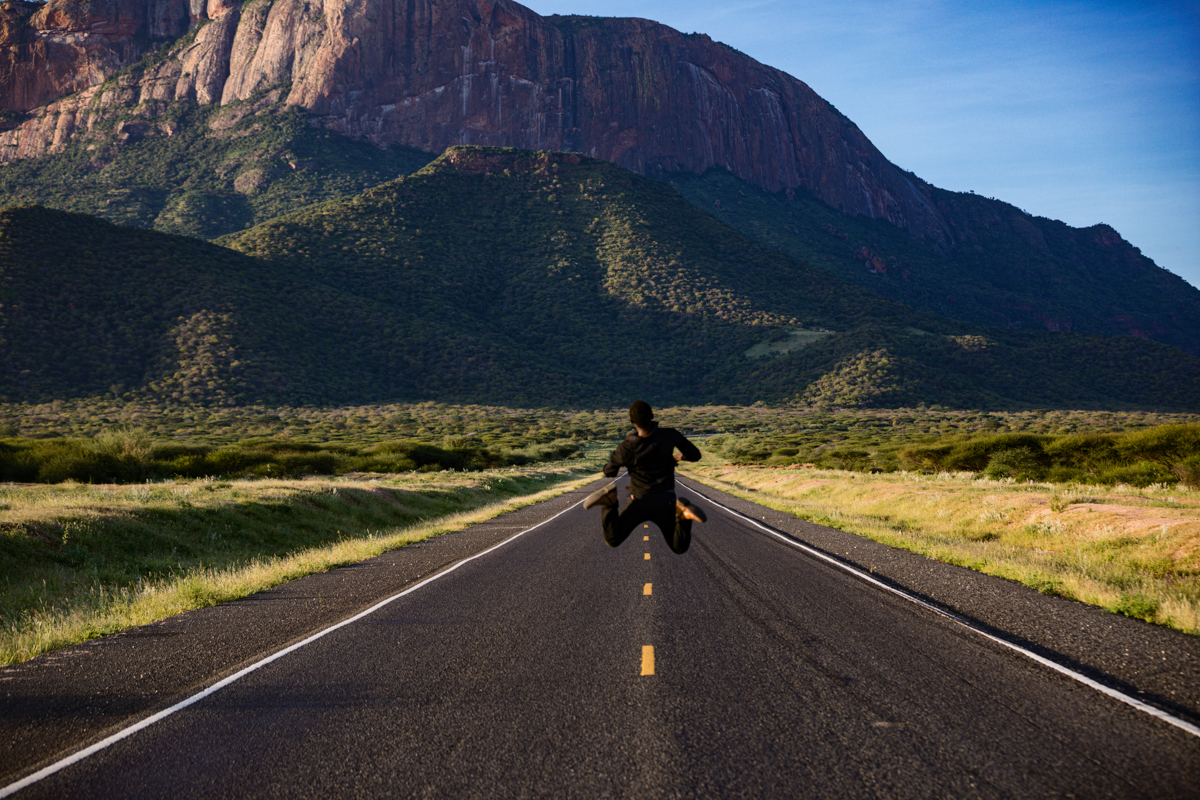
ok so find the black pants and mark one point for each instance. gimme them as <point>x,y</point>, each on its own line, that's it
<point>658,508</point>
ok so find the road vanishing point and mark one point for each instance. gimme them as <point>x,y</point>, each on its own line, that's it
<point>523,657</point>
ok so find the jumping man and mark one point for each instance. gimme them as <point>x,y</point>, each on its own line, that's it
<point>649,455</point>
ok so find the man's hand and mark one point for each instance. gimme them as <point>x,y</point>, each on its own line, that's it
<point>679,456</point>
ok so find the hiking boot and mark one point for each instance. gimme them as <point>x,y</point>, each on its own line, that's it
<point>685,509</point>
<point>601,497</point>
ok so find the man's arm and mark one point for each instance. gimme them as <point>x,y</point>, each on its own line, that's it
<point>615,462</point>
<point>688,451</point>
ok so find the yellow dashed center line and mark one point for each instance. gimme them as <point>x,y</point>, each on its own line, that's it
<point>645,538</point>
<point>648,659</point>
<point>646,590</point>
<point>647,556</point>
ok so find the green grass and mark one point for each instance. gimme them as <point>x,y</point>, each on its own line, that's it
<point>77,562</point>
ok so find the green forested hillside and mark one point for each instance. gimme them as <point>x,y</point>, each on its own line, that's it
<point>211,172</point>
<point>500,276</point>
<point>88,308</point>
<point>1006,269</point>
<point>503,267</point>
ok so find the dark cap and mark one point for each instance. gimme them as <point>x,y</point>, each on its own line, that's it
<point>640,414</point>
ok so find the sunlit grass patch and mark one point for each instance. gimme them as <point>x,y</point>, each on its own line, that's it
<point>1133,551</point>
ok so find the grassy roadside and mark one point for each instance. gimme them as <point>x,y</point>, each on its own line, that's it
<point>1129,550</point>
<point>81,561</point>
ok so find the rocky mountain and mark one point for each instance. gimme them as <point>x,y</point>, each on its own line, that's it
<point>101,76</point>
<point>504,276</point>
<point>431,75</point>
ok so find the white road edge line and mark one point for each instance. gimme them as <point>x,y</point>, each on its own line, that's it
<point>1113,693</point>
<point>125,733</point>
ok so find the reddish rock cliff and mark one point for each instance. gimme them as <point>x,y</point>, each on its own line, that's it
<point>51,50</point>
<point>430,75</point>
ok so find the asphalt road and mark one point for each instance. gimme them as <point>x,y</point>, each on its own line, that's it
<point>554,666</point>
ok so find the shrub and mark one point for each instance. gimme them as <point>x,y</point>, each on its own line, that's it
<point>17,465</point>
<point>1085,451</point>
<point>976,454</point>
<point>1188,472</point>
<point>322,463</point>
<point>428,455</point>
<point>189,466</point>
<point>925,456</point>
<point>1058,474</point>
<point>849,458</point>
<point>124,444</point>
<point>77,463</point>
<point>173,450</point>
<point>233,461</point>
<point>1165,445</point>
<point>1141,474</point>
<point>384,462</point>
<point>1019,463</point>
<point>1138,606</point>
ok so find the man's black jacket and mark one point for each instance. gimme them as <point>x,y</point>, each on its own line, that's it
<point>651,459</point>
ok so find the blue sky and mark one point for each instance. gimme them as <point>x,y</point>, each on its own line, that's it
<point>1084,112</point>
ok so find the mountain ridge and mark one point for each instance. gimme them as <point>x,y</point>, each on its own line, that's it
<point>124,75</point>
<point>528,278</point>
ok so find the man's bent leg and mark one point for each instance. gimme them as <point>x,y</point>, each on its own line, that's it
<point>618,525</point>
<point>676,530</point>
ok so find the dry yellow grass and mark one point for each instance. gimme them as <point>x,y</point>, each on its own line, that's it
<point>1133,551</point>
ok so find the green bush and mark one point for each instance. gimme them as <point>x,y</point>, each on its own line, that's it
<point>1019,463</point>
<point>1160,454</point>
<point>849,458</point>
<point>320,463</point>
<point>189,466</point>
<point>230,461</point>
<point>77,463</point>
<point>384,462</point>
<point>1141,474</point>
<point>174,450</point>
<point>1188,472</point>
<point>124,444</point>
<point>1085,451</point>
<point>1138,606</point>
<point>1058,474</point>
<point>1165,445</point>
<point>976,454</point>
<point>925,457</point>
<point>17,465</point>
